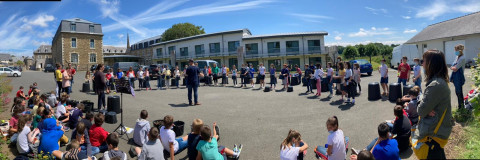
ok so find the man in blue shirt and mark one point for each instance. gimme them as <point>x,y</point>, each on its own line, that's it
<point>384,147</point>
<point>192,82</point>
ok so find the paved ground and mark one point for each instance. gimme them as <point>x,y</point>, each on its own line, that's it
<point>258,120</point>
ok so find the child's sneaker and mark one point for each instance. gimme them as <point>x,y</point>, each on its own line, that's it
<point>348,100</point>
<point>235,148</point>
<point>239,150</point>
<point>353,101</point>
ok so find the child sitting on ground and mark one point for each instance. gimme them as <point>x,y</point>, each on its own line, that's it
<point>194,138</point>
<point>401,128</point>
<point>26,136</point>
<point>98,135</point>
<point>13,123</point>
<point>73,152</point>
<point>52,99</point>
<point>363,155</point>
<point>208,147</point>
<point>336,141</point>
<point>142,127</point>
<point>76,114</point>
<point>51,134</point>
<point>88,120</point>
<point>153,148</point>
<point>113,151</point>
<point>62,114</point>
<point>291,147</point>
<point>167,135</point>
<point>38,117</point>
<point>80,135</point>
<point>384,147</point>
<point>411,107</point>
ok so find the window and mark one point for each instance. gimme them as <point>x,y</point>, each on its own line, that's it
<point>171,49</point>
<point>314,45</point>
<point>140,46</point>
<point>92,43</point>
<point>292,46</point>
<point>214,47</point>
<point>157,40</point>
<point>199,49</point>
<point>273,47</point>
<point>74,58</point>
<point>231,62</point>
<point>159,52</point>
<point>74,42</point>
<point>73,27</point>
<point>91,28</point>
<point>251,48</point>
<point>145,44</point>
<point>277,63</point>
<point>315,61</point>
<point>253,63</point>
<point>151,42</point>
<point>219,61</point>
<point>293,61</point>
<point>93,58</point>
<point>233,45</point>
<point>184,51</point>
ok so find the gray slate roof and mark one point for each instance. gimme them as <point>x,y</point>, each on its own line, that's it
<point>465,25</point>
<point>113,49</point>
<point>286,35</point>
<point>78,20</point>
<point>203,35</point>
<point>43,49</point>
<point>4,57</point>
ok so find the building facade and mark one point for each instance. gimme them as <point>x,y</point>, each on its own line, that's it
<point>237,47</point>
<point>113,50</point>
<point>42,56</point>
<point>79,42</point>
<point>444,36</point>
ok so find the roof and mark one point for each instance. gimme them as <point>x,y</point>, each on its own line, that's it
<point>465,25</point>
<point>122,56</point>
<point>205,35</point>
<point>149,39</point>
<point>4,57</point>
<point>114,49</point>
<point>286,35</point>
<point>78,20</point>
<point>43,49</point>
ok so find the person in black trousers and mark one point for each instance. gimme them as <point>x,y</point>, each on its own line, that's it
<point>243,78</point>
<point>100,85</point>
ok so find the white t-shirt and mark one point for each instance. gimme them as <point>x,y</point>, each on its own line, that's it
<point>224,70</point>
<point>167,136</point>
<point>177,73</point>
<point>330,72</point>
<point>289,153</point>
<point>22,140</point>
<point>60,110</point>
<point>140,74</point>
<point>383,70</point>
<point>337,141</point>
<point>348,73</point>
<point>262,70</point>
<point>318,74</point>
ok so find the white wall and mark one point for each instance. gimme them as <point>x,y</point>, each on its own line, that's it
<point>472,45</point>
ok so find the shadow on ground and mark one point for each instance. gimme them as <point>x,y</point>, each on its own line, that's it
<point>179,105</point>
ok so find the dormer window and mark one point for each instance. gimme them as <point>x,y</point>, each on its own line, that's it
<point>73,27</point>
<point>92,29</point>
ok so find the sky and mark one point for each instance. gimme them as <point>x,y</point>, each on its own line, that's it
<point>24,26</point>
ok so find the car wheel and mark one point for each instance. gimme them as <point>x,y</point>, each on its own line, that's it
<point>369,73</point>
<point>15,75</point>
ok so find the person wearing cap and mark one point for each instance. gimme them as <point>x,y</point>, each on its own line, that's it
<point>192,73</point>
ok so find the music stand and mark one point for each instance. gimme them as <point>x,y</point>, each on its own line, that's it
<point>122,86</point>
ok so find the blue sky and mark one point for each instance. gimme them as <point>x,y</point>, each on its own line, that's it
<point>26,25</point>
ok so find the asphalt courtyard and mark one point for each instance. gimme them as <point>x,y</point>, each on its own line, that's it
<point>258,120</point>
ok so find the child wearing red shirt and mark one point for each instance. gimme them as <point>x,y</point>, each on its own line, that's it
<point>98,135</point>
<point>20,92</point>
<point>404,71</point>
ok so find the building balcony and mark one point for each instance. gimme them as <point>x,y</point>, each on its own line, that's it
<point>314,49</point>
<point>273,50</point>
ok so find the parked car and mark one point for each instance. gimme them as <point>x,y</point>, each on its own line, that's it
<point>125,66</point>
<point>15,68</point>
<point>365,66</point>
<point>203,63</point>
<point>49,68</point>
<point>10,72</point>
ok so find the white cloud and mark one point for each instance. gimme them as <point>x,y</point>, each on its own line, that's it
<point>338,38</point>
<point>159,12</point>
<point>352,43</point>
<point>120,36</point>
<point>372,32</point>
<point>377,11</point>
<point>41,20</point>
<point>11,37</point>
<point>310,17</point>
<point>37,43</point>
<point>406,17</point>
<point>410,31</point>
<point>441,7</point>
<point>45,34</point>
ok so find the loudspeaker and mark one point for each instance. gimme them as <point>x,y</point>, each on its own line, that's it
<point>111,118</point>
<point>267,89</point>
<point>113,104</point>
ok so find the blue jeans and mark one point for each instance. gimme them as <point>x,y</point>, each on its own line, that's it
<point>131,81</point>
<point>182,145</point>
<point>67,90</point>
<point>323,150</point>
<point>330,83</point>
<point>403,81</point>
<point>418,83</point>
<point>14,138</point>
<point>370,146</point>
<point>195,93</point>
<point>147,82</point>
<point>102,148</point>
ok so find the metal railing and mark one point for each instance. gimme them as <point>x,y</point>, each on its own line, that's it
<point>273,50</point>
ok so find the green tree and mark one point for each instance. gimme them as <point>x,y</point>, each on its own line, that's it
<point>350,52</point>
<point>371,50</point>
<point>181,30</point>
<point>340,49</point>
<point>20,63</point>
<point>387,51</point>
<point>361,49</point>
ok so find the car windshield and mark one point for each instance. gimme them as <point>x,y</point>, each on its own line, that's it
<point>362,62</point>
<point>201,64</point>
<point>8,69</point>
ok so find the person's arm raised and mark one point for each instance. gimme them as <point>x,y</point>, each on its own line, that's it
<point>304,147</point>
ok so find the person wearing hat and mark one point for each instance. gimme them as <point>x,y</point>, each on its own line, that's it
<point>192,74</point>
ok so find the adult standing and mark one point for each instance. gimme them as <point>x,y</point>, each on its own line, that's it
<point>100,85</point>
<point>403,71</point>
<point>435,123</point>
<point>66,80</point>
<point>458,77</point>
<point>160,77</point>
<point>58,77</point>
<point>307,77</point>
<point>192,82</point>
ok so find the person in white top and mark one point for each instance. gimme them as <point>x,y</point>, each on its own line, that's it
<point>383,69</point>
<point>330,78</point>
<point>350,83</point>
<point>234,75</point>
<point>141,78</point>
<point>261,74</point>
<point>224,76</point>
<point>177,76</point>
<point>335,148</point>
<point>356,76</point>
<point>318,76</point>
<point>167,136</point>
<point>293,146</point>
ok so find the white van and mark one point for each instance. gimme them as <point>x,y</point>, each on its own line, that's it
<point>408,50</point>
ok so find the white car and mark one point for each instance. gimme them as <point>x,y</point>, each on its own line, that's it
<point>9,72</point>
